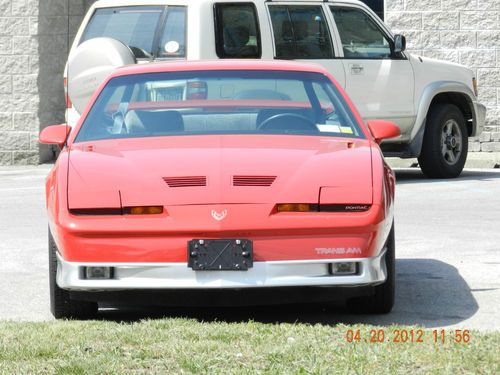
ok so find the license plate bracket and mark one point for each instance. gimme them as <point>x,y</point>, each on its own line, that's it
<point>220,255</point>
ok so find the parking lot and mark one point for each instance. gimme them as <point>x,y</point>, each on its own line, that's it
<point>447,243</point>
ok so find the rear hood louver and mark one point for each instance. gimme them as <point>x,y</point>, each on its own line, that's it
<point>186,181</point>
<point>253,180</point>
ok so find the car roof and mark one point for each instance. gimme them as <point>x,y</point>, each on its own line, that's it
<point>114,3</point>
<point>159,67</point>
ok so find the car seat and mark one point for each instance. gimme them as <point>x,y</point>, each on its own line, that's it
<point>154,122</point>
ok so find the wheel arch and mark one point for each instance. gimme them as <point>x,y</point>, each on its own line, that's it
<point>440,92</point>
<point>463,103</point>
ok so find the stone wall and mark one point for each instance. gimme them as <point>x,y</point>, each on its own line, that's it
<point>461,31</point>
<point>34,39</point>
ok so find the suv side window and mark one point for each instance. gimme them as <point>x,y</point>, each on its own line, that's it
<point>133,26</point>
<point>237,33</point>
<point>360,35</point>
<point>300,32</point>
<point>173,39</point>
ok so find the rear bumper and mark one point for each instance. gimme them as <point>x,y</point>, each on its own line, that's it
<point>171,276</point>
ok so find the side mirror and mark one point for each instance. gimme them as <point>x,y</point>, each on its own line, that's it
<point>382,129</point>
<point>399,43</point>
<point>54,135</point>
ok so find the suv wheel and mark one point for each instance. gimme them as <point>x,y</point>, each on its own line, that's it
<point>382,300</point>
<point>61,305</point>
<point>445,145</point>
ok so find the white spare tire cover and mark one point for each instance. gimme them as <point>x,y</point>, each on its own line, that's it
<point>91,63</point>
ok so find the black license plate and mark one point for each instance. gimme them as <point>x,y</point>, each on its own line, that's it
<point>220,255</point>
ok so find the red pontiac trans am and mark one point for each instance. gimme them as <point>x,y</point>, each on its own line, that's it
<point>219,182</point>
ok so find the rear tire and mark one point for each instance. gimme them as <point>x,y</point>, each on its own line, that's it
<point>61,305</point>
<point>382,301</point>
<point>445,145</point>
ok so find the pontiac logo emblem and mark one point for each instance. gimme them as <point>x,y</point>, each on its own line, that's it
<point>219,216</point>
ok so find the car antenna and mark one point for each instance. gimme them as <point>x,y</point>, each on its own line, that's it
<point>66,99</point>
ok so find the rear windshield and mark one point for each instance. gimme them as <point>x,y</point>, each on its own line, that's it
<point>219,102</point>
<point>142,29</point>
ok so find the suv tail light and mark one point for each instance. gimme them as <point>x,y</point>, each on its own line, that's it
<point>66,94</point>
<point>197,90</point>
<point>474,85</point>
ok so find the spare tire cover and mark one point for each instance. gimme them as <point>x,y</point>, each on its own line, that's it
<point>91,63</point>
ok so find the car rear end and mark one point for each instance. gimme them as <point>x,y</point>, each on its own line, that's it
<point>225,207</point>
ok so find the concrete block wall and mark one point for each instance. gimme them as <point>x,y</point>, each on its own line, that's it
<point>34,37</point>
<point>461,31</point>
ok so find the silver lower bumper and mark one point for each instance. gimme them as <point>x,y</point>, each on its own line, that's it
<point>130,276</point>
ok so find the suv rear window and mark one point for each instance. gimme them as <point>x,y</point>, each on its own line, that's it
<point>141,28</point>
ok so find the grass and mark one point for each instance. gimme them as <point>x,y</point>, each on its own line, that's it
<point>177,345</point>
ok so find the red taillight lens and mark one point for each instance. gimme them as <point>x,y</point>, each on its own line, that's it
<point>197,90</point>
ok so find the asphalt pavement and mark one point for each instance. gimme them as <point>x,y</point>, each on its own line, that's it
<point>447,244</point>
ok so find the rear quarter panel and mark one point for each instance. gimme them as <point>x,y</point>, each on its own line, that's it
<point>56,185</point>
<point>384,186</point>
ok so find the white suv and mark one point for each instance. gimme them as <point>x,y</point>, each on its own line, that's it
<point>433,102</point>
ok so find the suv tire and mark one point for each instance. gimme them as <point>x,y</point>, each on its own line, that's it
<point>445,145</point>
<point>382,300</point>
<point>61,305</point>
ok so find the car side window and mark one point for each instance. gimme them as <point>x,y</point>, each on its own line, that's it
<point>237,33</point>
<point>361,37</point>
<point>173,40</point>
<point>300,32</point>
<point>331,119</point>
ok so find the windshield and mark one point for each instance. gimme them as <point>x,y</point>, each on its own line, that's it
<point>219,102</point>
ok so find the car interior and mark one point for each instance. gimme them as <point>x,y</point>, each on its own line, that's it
<point>235,105</point>
<point>172,121</point>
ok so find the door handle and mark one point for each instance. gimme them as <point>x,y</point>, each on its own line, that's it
<point>357,69</point>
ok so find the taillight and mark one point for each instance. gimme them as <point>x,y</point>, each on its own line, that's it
<point>143,210</point>
<point>305,207</point>
<point>197,90</point>
<point>66,94</point>
<point>137,210</point>
<point>95,211</point>
<point>297,207</point>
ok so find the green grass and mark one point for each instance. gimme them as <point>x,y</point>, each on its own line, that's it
<point>171,346</point>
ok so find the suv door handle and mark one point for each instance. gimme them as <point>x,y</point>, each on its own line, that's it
<point>357,69</point>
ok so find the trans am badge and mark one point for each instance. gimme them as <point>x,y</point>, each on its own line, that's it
<point>219,216</point>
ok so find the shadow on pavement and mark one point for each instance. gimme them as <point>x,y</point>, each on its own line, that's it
<point>430,293</point>
<point>411,175</point>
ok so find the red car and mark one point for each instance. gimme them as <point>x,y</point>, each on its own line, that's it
<point>220,182</point>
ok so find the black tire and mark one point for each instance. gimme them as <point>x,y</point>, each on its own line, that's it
<point>61,305</point>
<point>382,301</point>
<point>444,156</point>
